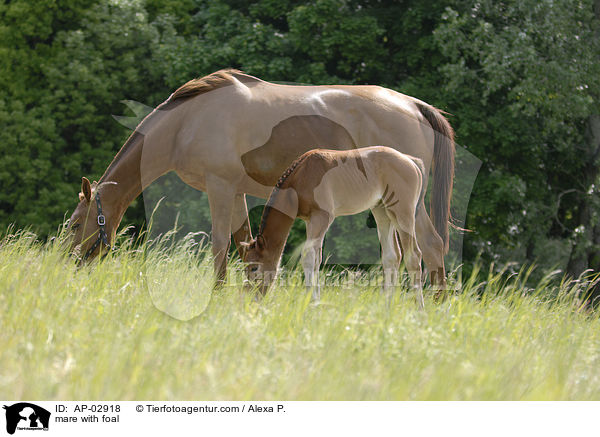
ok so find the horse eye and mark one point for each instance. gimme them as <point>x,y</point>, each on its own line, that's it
<point>253,268</point>
<point>75,226</point>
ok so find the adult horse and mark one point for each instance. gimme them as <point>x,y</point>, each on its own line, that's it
<point>230,134</point>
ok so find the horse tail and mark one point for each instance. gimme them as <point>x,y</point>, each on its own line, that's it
<point>442,167</point>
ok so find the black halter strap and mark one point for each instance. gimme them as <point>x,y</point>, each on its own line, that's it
<point>102,237</point>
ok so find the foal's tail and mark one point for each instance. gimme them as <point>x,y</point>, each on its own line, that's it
<point>443,169</point>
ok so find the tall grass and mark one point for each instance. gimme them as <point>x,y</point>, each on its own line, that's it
<point>94,332</point>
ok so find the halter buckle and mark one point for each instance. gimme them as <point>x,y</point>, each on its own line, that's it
<point>101,220</point>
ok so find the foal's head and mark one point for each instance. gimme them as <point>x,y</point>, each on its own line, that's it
<point>261,265</point>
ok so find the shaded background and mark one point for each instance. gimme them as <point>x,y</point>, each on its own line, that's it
<point>520,79</point>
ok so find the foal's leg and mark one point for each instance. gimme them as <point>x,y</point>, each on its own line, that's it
<point>404,220</point>
<point>221,196</point>
<point>433,248</point>
<point>316,227</point>
<point>413,263</point>
<point>390,249</point>
<point>240,224</point>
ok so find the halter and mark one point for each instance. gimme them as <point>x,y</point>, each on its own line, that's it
<point>102,237</point>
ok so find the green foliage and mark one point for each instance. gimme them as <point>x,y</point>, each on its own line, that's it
<point>63,88</point>
<point>520,79</point>
<point>523,76</point>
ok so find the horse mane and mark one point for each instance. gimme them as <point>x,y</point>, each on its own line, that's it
<point>282,179</point>
<point>202,85</point>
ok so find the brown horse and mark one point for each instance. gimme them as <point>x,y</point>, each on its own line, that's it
<point>324,184</point>
<point>230,134</point>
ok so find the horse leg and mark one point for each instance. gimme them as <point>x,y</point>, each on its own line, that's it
<point>404,221</point>
<point>391,255</point>
<point>312,252</point>
<point>240,221</point>
<point>221,196</point>
<point>413,263</point>
<point>433,249</point>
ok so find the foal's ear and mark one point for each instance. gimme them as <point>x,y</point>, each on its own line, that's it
<point>260,242</point>
<point>86,189</point>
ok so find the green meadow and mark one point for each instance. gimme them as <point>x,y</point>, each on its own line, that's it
<point>95,332</point>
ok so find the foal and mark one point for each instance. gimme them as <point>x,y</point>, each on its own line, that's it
<point>323,184</point>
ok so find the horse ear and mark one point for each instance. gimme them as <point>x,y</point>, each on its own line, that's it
<point>260,242</point>
<point>86,189</point>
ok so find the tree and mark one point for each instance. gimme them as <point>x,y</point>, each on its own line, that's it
<point>67,71</point>
<point>525,76</point>
<point>520,78</point>
<point>30,139</point>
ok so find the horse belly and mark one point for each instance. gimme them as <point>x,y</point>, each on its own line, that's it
<point>344,190</point>
<point>354,199</point>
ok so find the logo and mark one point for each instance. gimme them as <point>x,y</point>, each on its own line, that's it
<point>26,416</point>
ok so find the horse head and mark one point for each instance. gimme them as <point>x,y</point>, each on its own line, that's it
<point>260,266</point>
<point>90,229</point>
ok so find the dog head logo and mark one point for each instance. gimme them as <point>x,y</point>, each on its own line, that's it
<point>26,416</point>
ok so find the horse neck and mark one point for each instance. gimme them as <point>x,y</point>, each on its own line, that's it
<point>123,180</point>
<point>275,231</point>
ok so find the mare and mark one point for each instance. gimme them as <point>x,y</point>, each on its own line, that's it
<point>230,134</point>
